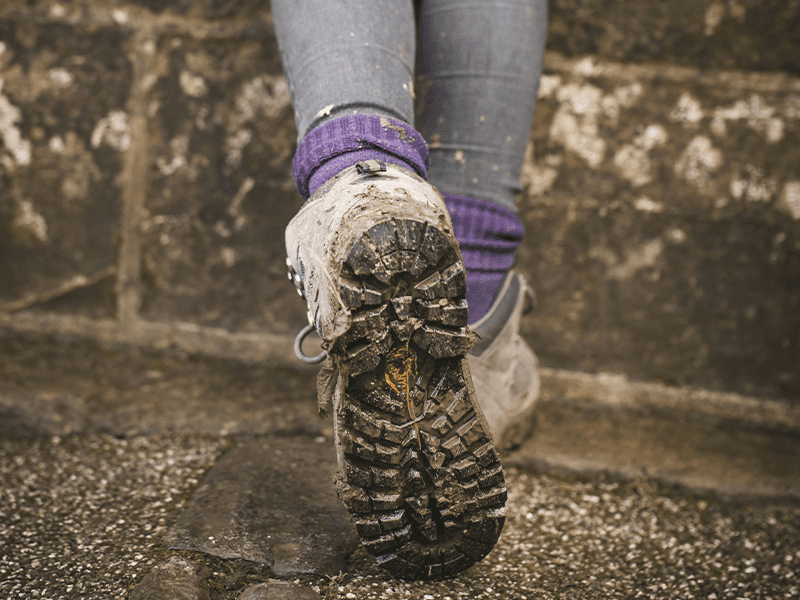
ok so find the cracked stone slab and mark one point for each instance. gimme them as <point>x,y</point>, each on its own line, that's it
<point>279,590</point>
<point>176,579</point>
<point>271,501</point>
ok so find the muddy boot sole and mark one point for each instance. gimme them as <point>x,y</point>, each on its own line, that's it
<point>418,472</point>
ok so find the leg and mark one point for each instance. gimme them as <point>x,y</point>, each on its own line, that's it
<point>478,71</point>
<point>373,253</point>
<point>350,70</point>
<point>346,57</point>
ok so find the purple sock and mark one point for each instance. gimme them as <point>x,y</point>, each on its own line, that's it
<point>340,143</point>
<point>488,235</point>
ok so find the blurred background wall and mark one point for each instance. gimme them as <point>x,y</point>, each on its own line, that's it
<point>145,183</point>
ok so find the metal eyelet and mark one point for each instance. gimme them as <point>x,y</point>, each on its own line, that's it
<point>298,347</point>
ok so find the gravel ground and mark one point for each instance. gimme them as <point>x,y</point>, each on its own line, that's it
<point>102,450</point>
<point>595,539</point>
<point>84,517</point>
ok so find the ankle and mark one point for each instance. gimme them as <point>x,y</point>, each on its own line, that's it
<point>338,144</point>
<point>488,235</point>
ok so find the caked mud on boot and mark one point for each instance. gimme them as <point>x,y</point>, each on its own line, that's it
<point>374,255</point>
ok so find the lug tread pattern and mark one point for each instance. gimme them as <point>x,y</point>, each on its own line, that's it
<point>421,481</point>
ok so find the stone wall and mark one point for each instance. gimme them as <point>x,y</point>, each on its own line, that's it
<point>663,193</point>
<point>145,152</point>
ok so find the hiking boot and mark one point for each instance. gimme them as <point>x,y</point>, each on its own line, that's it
<point>374,255</point>
<point>504,369</point>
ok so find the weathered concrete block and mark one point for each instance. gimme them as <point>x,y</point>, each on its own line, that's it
<point>63,132</point>
<point>663,229</point>
<point>716,34</point>
<point>221,191</point>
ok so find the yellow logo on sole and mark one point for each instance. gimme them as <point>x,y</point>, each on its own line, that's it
<point>401,368</point>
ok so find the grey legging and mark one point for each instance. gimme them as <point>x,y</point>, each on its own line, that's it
<point>477,73</point>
